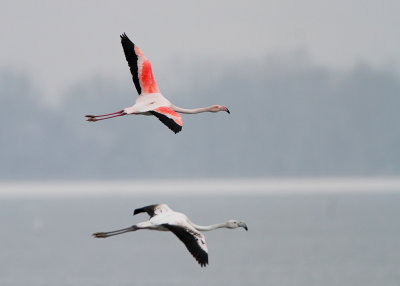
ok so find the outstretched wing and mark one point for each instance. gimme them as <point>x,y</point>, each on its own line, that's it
<point>140,67</point>
<point>153,210</point>
<point>194,241</point>
<point>169,117</point>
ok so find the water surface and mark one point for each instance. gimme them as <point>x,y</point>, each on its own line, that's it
<point>307,239</point>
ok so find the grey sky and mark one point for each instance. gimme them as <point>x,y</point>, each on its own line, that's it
<point>61,43</point>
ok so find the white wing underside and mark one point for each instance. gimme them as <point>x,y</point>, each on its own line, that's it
<point>162,209</point>
<point>201,239</point>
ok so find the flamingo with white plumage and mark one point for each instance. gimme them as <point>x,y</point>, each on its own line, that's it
<point>163,218</point>
<point>150,100</point>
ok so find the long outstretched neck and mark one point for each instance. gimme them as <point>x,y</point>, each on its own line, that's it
<point>209,227</point>
<point>191,111</point>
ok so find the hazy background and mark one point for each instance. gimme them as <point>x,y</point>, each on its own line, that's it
<point>313,87</point>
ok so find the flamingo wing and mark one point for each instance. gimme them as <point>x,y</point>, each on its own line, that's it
<point>153,210</point>
<point>169,117</point>
<point>194,241</point>
<point>140,67</point>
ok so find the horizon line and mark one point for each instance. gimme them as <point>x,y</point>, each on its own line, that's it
<point>188,187</point>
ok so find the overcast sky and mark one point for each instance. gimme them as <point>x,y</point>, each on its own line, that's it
<point>61,43</point>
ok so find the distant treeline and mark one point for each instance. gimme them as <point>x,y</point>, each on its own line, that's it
<point>285,121</point>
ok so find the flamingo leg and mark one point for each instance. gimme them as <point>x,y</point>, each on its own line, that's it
<point>93,119</point>
<point>115,232</point>
<point>93,116</point>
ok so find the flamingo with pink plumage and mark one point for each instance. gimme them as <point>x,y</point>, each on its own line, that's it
<point>150,100</point>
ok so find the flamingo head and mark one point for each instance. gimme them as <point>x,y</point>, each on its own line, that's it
<point>216,108</point>
<point>235,224</point>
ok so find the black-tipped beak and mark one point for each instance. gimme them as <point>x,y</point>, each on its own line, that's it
<point>224,108</point>
<point>242,224</point>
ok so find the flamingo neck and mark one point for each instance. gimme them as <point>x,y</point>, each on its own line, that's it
<point>209,227</point>
<point>192,110</point>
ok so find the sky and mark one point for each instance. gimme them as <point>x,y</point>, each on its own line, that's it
<point>312,87</point>
<point>59,43</point>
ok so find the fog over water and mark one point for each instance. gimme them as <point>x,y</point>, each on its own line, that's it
<point>287,120</point>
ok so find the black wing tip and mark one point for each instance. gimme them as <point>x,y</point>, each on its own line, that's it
<point>141,210</point>
<point>201,257</point>
<point>203,262</point>
<point>124,38</point>
<point>176,129</point>
<point>170,123</point>
<point>132,59</point>
<point>147,209</point>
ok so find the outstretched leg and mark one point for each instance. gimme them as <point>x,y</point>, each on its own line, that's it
<point>93,118</point>
<point>140,225</point>
<point>115,232</point>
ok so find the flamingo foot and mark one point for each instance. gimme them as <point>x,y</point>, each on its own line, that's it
<point>100,234</point>
<point>93,118</point>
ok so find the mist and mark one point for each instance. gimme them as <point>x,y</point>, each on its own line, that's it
<point>286,120</point>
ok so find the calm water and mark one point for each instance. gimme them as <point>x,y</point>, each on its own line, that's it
<point>292,240</point>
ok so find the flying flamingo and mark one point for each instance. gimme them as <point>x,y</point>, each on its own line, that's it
<point>150,100</point>
<point>165,219</point>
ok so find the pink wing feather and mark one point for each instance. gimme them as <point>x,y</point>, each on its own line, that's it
<point>142,73</point>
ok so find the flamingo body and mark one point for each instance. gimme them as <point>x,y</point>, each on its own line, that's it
<point>146,103</point>
<point>163,218</point>
<point>150,100</point>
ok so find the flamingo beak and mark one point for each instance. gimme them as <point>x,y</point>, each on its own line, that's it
<point>224,108</point>
<point>242,224</point>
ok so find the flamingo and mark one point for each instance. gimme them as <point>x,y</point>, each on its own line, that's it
<point>163,218</point>
<point>150,100</point>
